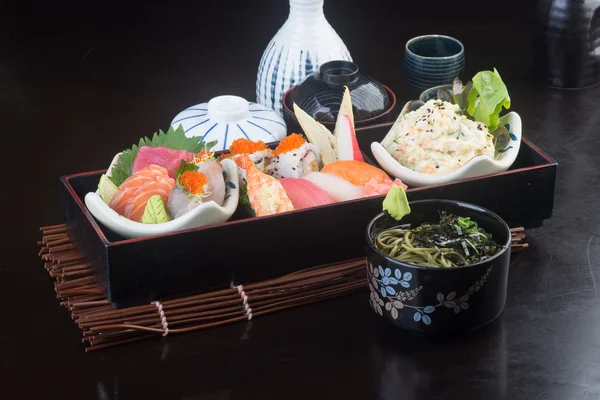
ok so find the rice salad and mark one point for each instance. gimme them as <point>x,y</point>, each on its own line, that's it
<point>436,139</point>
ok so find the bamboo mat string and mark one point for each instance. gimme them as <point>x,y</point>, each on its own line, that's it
<point>103,327</point>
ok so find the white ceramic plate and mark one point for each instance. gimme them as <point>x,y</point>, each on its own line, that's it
<point>208,213</point>
<point>477,166</point>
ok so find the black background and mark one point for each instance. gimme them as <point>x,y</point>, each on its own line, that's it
<point>79,81</point>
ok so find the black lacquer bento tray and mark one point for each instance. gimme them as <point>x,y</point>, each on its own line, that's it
<point>247,248</point>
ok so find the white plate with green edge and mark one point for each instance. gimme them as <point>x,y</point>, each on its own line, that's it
<point>477,166</point>
<point>209,213</point>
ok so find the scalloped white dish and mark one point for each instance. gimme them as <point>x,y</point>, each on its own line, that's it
<point>477,166</point>
<point>208,213</point>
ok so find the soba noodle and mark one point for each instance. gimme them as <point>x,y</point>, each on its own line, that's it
<point>453,242</point>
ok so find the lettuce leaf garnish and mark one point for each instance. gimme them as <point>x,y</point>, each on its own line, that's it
<point>487,97</point>
<point>174,139</point>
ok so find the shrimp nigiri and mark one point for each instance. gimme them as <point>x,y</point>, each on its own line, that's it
<point>265,193</point>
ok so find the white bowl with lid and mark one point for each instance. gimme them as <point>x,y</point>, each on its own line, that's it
<point>226,118</point>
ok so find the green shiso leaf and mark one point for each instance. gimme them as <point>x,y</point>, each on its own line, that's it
<point>155,211</point>
<point>174,139</point>
<point>396,203</point>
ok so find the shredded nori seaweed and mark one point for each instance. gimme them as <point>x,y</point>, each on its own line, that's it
<point>459,233</point>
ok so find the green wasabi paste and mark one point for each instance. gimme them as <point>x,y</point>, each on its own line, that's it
<point>155,211</point>
<point>396,203</point>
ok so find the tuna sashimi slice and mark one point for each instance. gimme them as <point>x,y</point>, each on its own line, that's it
<point>305,194</point>
<point>163,156</point>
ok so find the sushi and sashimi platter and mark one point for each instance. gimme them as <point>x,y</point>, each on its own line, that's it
<point>171,182</point>
<point>171,215</point>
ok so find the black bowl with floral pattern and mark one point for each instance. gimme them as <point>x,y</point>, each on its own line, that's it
<point>438,300</point>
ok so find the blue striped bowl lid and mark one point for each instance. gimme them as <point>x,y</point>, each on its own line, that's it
<point>226,118</point>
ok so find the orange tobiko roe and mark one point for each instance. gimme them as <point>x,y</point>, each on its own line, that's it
<point>204,154</point>
<point>193,181</point>
<point>246,146</point>
<point>291,142</point>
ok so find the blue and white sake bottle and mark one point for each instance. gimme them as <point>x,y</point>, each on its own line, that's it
<point>301,45</point>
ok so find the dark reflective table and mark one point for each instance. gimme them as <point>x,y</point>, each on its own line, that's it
<point>78,83</point>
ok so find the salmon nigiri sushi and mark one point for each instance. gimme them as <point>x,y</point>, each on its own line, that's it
<point>265,193</point>
<point>356,172</point>
<point>133,194</point>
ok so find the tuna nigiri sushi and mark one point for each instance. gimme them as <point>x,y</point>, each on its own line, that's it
<point>133,194</point>
<point>338,188</point>
<point>265,193</point>
<point>356,172</point>
<point>305,194</point>
<point>294,156</point>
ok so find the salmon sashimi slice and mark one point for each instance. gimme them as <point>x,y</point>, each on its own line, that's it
<point>130,201</point>
<point>266,195</point>
<point>135,182</point>
<point>356,172</point>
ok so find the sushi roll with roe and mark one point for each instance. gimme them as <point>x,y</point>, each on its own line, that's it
<point>258,152</point>
<point>294,157</point>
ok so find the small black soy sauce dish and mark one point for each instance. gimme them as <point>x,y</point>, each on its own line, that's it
<point>320,94</point>
<point>438,300</point>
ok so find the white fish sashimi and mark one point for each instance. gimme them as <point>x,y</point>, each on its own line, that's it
<point>338,188</point>
<point>181,202</point>
<point>216,182</point>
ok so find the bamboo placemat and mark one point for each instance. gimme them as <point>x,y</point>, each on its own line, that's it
<point>103,326</point>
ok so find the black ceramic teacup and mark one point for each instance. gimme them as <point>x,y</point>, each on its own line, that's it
<point>432,60</point>
<point>438,300</point>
